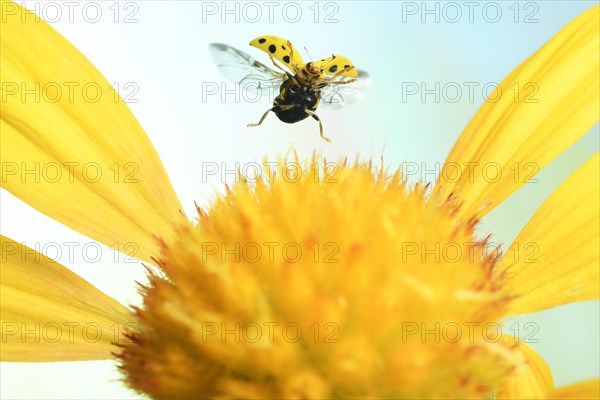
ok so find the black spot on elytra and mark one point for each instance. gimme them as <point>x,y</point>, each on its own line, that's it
<point>346,66</point>
<point>286,59</point>
<point>283,47</point>
<point>262,40</point>
<point>272,48</point>
<point>333,68</point>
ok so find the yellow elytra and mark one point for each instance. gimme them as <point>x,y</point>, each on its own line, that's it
<point>283,51</point>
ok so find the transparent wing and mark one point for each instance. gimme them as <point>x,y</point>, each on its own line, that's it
<point>334,97</point>
<point>239,67</point>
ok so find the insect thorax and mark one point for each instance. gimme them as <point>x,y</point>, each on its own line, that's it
<point>292,93</point>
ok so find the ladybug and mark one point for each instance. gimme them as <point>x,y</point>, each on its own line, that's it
<point>302,86</point>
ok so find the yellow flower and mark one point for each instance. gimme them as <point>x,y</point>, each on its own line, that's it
<point>314,283</point>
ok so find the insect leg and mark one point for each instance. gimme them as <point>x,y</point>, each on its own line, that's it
<point>291,52</point>
<point>262,118</point>
<point>330,80</point>
<point>295,67</point>
<point>340,82</point>
<point>348,68</point>
<point>312,114</point>
<point>277,65</point>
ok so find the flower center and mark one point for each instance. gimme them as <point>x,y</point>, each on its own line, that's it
<point>328,281</point>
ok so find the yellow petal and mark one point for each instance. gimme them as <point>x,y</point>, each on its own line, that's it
<point>531,379</point>
<point>48,313</point>
<point>554,260</point>
<point>542,107</point>
<point>71,147</point>
<point>580,391</point>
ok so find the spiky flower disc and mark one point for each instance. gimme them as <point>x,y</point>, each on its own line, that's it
<point>322,281</point>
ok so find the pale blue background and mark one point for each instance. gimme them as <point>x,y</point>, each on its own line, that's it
<point>165,55</point>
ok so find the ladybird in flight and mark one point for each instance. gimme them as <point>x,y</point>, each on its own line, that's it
<point>333,82</point>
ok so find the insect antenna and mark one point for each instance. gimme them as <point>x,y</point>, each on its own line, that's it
<point>308,52</point>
